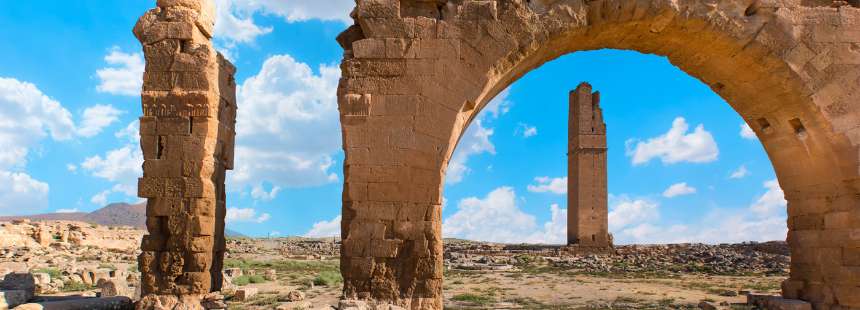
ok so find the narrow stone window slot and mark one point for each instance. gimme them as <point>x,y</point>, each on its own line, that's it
<point>763,124</point>
<point>159,147</point>
<point>191,124</point>
<point>798,127</point>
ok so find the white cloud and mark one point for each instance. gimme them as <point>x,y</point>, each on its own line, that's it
<point>235,18</point>
<point>21,194</point>
<point>123,164</point>
<point>300,10</point>
<point>771,202</point>
<point>325,229</point>
<point>500,105</point>
<point>246,215</point>
<point>260,193</point>
<point>740,173</point>
<point>554,231</point>
<point>549,185</point>
<point>236,27</point>
<point>124,74</point>
<point>525,130</point>
<point>679,189</point>
<point>71,167</point>
<point>100,199</point>
<point>495,218</point>
<point>26,117</point>
<point>75,210</point>
<point>290,126</point>
<point>96,118</point>
<point>475,141</point>
<point>625,212</point>
<point>677,145</point>
<point>764,220</point>
<point>747,132</point>
<point>131,133</point>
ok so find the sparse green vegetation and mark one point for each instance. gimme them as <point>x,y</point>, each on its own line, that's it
<point>53,272</point>
<point>246,279</point>
<point>107,266</point>
<point>75,287</point>
<point>473,298</point>
<point>328,278</point>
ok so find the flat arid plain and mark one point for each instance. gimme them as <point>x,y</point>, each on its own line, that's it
<point>69,259</point>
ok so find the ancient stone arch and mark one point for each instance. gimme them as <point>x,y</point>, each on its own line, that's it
<point>417,72</point>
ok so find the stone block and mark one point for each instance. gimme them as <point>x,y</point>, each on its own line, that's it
<point>779,303</point>
<point>12,298</point>
<point>19,281</point>
<point>108,303</point>
<point>245,294</point>
<point>369,48</point>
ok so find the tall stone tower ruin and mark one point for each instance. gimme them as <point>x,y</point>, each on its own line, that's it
<point>187,136</point>
<point>587,219</point>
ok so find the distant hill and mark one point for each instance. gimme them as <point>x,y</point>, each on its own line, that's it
<point>115,214</point>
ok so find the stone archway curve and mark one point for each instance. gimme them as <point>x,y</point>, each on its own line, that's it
<point>417,72</point>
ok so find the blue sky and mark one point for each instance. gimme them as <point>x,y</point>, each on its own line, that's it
<point>681,165</point>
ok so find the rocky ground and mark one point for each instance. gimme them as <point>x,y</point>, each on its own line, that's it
<point>69,258</point>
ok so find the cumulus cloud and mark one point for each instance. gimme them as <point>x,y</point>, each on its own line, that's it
<point>625,212</point>
<point>235,18</point>
<point>124,74</point>
<point>763,220</point>
<point>246,215</point>
<point>260,193</point>
<point>325,229</point>
<point>747,132</point>
<point>771,202</point>
<point>290,126</point>
<point>476,139</point>
<point>21,194</point>
<point>497,218</point>
<point>96,118</point>
<point>676,145</point>
<point>300,10</point>
<point>740,173</point>
<point>549,185</point>
<point>233,26</point>
<point>679,189</point>
<point>121,166</point>
<point>525,130</point>
<point>27,116</point>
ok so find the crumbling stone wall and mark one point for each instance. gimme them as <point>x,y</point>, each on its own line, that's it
<point>187,136</point>
<point>587,205</point>
<point>417,72</point>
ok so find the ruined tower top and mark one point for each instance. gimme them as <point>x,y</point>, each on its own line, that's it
<point>587,111</point>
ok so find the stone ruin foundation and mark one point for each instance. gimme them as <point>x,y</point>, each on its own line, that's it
<point>187,136</point>
<point>417,72</point>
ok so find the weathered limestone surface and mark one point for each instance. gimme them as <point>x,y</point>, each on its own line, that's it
<point>417,72</point>
<point>187,137</point>
<point>588,212</point>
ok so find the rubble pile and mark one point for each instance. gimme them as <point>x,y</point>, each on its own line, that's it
<point>725,259</point>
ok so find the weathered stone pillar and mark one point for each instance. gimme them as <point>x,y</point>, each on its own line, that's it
<point>587,216</point>
<point>187,136</point>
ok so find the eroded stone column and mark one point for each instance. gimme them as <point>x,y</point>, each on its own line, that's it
<point>187,136</point>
